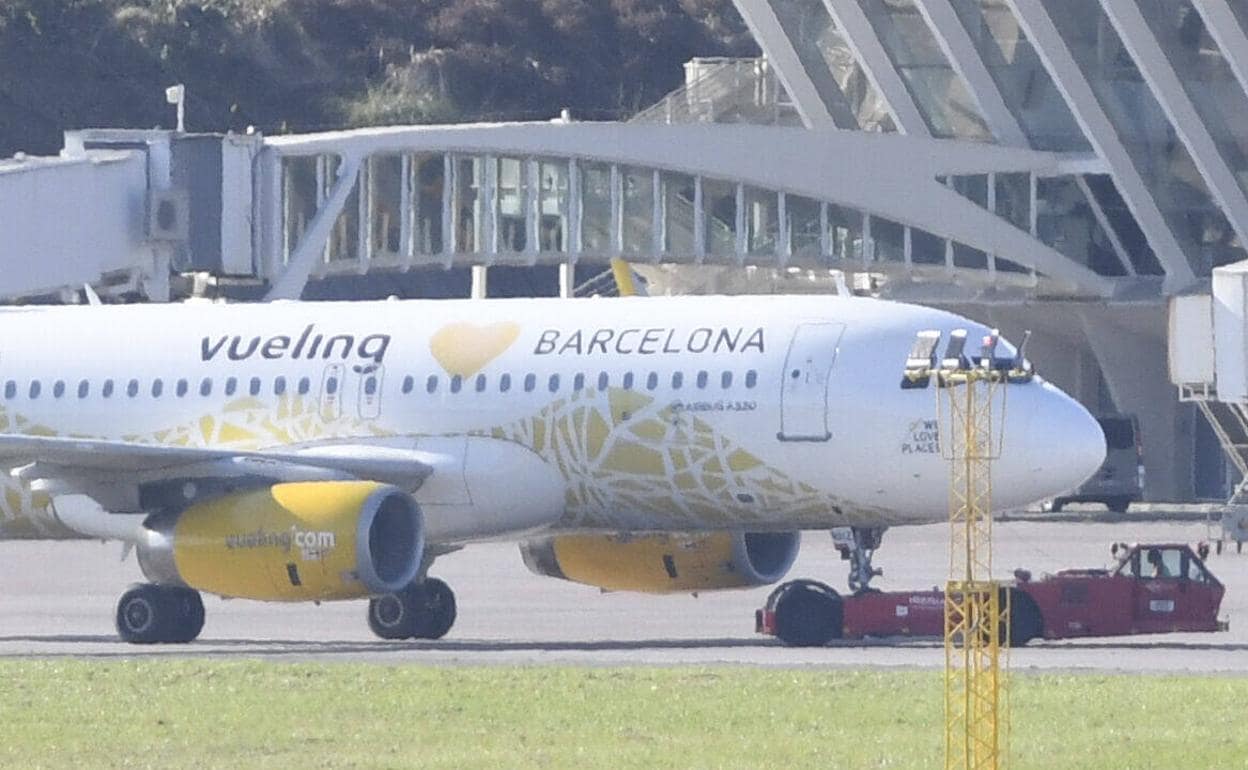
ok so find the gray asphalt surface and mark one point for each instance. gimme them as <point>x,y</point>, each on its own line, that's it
<point>58,599</point>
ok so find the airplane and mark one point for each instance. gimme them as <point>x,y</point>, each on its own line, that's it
<point>312,451</point>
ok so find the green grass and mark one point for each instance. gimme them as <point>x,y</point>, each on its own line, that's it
<point>194,713</point>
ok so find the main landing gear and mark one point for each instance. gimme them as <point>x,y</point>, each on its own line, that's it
<point>148,613</point>
<point>809,613</point>
<point>423,610</point>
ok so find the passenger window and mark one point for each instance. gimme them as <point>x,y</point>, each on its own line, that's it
<point>628,381</point>
<point>553,383</point>
<point>107,390</point>
<point>725,380</point>
<point>10,389</point>
<point>702,378</point>
<point>331,385</point>
<point>530,382</point>
<point>678,379</point>
<point>457,382</point>
<point>34,389</point>
<point>231,385</point>
<point>305,384</point>
<point>157,387</point>
<point>370,385</point>
<point>603,381</point>
<point>431,384</point>
<point>279,386</point>
<point>83,388</point>
<point>205,386</point>
<point>751,378</point>
<point>132,388</point>
<point>58,389</point>
<point>480,383</point>
<point>181,388</point>
<point>652,381</point>
<point>578,382</point>
<point>254,387</point>
<point>409,382</point>
<point>504,383</point>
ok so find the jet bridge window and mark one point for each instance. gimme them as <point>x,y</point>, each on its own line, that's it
<point>751,378</point>
<point>34,388</point>
<point>231,385</point>
<point>132,388</point>
<point>182,387</point>
<point>157,387</point>
<point>254,386</point>
<point>504,383</point>
<point>58,389</point>
<point>409,382</point>
<point>83,388</point>
<point>431,384</point>
<point>205,386</point>
<point>10,389</point>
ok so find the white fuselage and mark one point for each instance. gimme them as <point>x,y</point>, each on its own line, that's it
<point>685,413</point>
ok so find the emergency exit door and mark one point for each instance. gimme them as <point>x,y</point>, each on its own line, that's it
<point>804,386</point>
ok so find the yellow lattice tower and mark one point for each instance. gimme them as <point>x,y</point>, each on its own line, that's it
<point>976,607</point>
<point>969,393</point>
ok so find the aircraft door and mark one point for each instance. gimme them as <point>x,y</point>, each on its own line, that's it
<point>331,391</point>
<point>371,378</point>
<point>804,386</point>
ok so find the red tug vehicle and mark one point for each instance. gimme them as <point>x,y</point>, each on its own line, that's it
<point>1155,588</point>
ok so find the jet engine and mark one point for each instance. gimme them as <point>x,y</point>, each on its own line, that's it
<point>305,541</point>
<point>666,563</point>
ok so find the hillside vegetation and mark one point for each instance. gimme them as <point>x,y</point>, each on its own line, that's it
<point>290,65</point>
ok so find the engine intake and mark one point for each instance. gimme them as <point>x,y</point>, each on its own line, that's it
<point>290,542</point>
<point>667,563</point>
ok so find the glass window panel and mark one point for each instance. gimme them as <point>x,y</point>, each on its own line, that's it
<point>552,183</point>
<point>428,180</point>
<point>969,257</point>
<point>678,194</point>
<point>385,198</point>
<point>925,248</point>
<point>887,240</point>
<point>638,192</point>
<point>844,232</point>
<point>719,217</point>
<point>1065,221</point>
<point>596,208</point>
<point>1014,199</point>
<point>762,221</point>
<point>513,199</point>
<point>299,199</point>
<point>468,215</point>
<point>803,225</point>
<point>974,187</point>
<point>344,239</point>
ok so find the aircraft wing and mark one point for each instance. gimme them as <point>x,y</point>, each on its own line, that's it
<point>53,457</point>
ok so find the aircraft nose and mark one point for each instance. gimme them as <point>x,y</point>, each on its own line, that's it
<point>1066,442</point>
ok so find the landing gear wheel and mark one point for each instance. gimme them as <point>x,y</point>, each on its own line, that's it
<point>424,610</point>
<point>438,611</point>
<point>1118,504</point>
<point>808,613</point>
<point>148,613</point>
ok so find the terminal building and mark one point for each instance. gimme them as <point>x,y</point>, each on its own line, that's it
<point>1061,166</point>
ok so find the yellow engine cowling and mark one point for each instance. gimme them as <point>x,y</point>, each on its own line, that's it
<point>668,563</point>
<point>306,541</point>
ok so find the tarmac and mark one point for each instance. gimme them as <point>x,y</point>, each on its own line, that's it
<point>58,600</point>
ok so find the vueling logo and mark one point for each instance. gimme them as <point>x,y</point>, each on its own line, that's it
<point>308,345</point>
<point>312,544</point>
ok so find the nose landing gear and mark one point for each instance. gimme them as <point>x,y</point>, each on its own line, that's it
<point>857,545</point>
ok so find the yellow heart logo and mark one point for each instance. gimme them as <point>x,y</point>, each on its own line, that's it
<point>465,348</point>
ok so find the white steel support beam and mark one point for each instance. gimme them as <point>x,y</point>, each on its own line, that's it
<point>311,248</point>
<point>1168,89</point>
<point>873,57</point>
<point>1101,134</point>
<point>959,49</point>
<point>771,37</point>
<point>1225,30</point>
